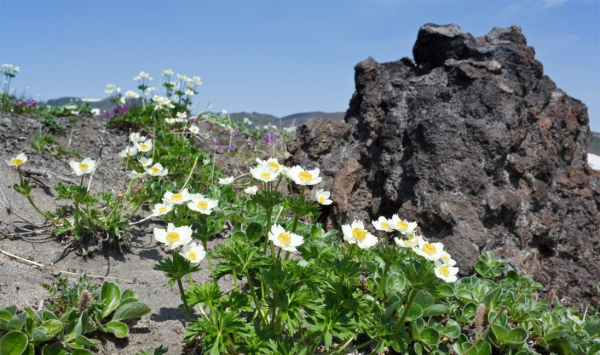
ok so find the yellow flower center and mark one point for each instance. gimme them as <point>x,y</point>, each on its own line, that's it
<point>385,225</point>
<point>411,235</point>
<point>444,270</point>
<point>321,199</point>
<point>429,248</point>
<point>177,197</point>
<point>155,170</point>
<point>305,176</point>
<point>265,175</point>
<point>359,234</point>
<point>172,237</point>
<point>284,238</point>
<point>202,204</point>
<point>192,255</point>
<point>402,225</point>
<point>16,161</point>
<point>83,166</point>
<point>163,209</point>
<point>410,242</point>
<point>144,146</point>
<point>274,165</point>
<point>446,258</point>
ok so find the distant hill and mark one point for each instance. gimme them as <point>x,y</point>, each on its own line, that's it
<point>101,104</point>
<point>594,146</point>
<point>258,119</point>
<point>296,119</point>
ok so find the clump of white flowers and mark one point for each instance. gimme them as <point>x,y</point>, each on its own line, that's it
<point>86,166</point>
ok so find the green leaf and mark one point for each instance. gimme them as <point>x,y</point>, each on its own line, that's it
<point>51,326</point>
<point>13,343</point>
<point>254,232</point>
<point>17,322</point>
<point>110,296</point>
<point>435,310</point>
<point>516,336</point>
<point>491,299</point>
<point>120,330</point>
<point>446,290</point>
<point>414,312</point>
<point>500,332</point>
<point>55,349</point>
<point>451,330</point>
<point>82,340</point>
<point>129,296</point>
<point>395,282</point>
<point>481,348</point>
<point>556,332</point>
<point>430,336</point>
<point>39,335</point>
<point>78,327</point>
<point>239,236</point>
<point>131,310</point>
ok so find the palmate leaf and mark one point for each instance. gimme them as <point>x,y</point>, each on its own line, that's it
<point>216,329</point>
<point>177,267</point>
<point>208,293</point>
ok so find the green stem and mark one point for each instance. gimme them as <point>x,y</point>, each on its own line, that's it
<point>212,272</point>
<point>411,298</point>
<point>381,286</point>
<point>351,350</point>
<point>255,298</point>
<point>235,285</point>
<point>185,304</point>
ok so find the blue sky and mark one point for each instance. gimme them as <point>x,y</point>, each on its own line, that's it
<point>277,57</point>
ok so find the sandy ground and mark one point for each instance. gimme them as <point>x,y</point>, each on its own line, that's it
<point>20,281</point>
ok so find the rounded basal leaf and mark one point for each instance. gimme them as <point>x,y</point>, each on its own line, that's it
<point>430,336</point>
<point>414,312</point>
<point>13,343</point>
<point>110,296</point>
<point>451,330</point>
<point>51,326</point>
<point>129,296</point>
<point>131,310</point>
<point>254,232</point>
<point>435,310</point>
<point>120,330</point>
<point>469,311</point>
<point>395,282</point>
<point>17,322</point>
<point>446,290</point>
<point>81,340</point>
<point>239,236</point>
<point>516,336</point>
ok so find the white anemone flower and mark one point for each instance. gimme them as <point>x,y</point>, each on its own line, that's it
<point>447,259</point>
<point>173,236</point>
<point>146,162</point>
<point>161,209</point>
<point>322,197</point>
<point>194,129</point>
<point>132,94</point>
<point>129,151</point>
<point>86,166</point>
<point>178,198</point>
<point>194,252</point>
<point>135,175</point>
<point>205,161</point>
<point>356,233</point>
<point>283,239</point>
<point>167,72</point>
<point>304,177</point>
<point>17,161</point>
<point>445,272</point>
<point>201,204</point>
<point>226,181</point>
<point>273,163</point>
<point>136,137</point>
<point>408,243</point>
<point>145,146</point>
<point>181,115</point>
<point>190,92</point>
<point>264,173</point>
<point>403,226</point>
<point>430,251</point>
<point>170,120</point>
<point>157,170</point>
<point>197,80</point>
<point>383,224</point>
<point>251,190</point>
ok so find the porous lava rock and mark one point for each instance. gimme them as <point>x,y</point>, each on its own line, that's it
<point>478,146</point>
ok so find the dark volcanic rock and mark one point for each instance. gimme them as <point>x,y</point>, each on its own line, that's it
<point>476,144</point>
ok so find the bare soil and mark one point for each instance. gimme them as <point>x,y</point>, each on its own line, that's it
<point>22,233</point>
